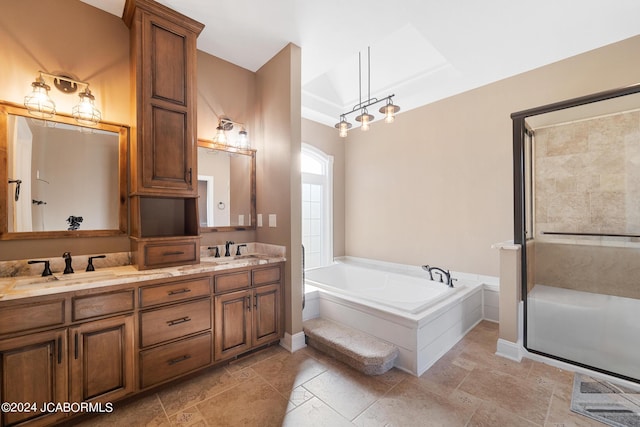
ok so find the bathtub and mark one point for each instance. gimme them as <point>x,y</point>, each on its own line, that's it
<point>398,304</point>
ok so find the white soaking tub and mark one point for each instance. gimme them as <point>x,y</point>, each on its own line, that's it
<point>398,304</point>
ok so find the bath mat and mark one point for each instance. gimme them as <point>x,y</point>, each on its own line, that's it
<point>606,402</point>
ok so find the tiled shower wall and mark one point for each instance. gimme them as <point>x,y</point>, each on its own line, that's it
<point>587,176</point>
<point>587,180</point>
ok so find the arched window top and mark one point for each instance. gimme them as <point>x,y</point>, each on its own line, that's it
<point>313,160</point>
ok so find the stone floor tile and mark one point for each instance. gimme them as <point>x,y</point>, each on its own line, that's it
<point>522,398</point>
<point>348,393</point>
<point>251,403</point>
<point>408,405</point>
<point>288,372</point>
<point>315,413</point>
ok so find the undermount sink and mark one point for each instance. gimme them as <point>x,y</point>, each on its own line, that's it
<point>60,279</point>
<point>235,259</point>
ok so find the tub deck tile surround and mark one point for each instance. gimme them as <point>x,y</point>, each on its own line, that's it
<point>363,352</point>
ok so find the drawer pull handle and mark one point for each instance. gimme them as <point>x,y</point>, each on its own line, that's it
<point>179,359</point>
<point>179,291</point>
<point>178,321</point>
<point>249,303</point>
<point>173,253</point>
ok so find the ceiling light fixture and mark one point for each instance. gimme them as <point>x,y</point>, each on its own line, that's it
<point>225,125</point>
<point>389,110</point>
<point>39,104</point>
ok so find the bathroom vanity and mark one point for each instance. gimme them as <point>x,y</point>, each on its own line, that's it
<point>126,331</point>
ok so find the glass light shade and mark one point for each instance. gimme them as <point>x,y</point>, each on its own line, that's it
<point>39,103</point>
<point>86,112</point>
<point>343,127</point>
<point>243,139</point>
<point>220,137</point>
<point>364,118</point>
<point>389,112</point>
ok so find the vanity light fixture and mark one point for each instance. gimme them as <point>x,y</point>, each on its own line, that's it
<point>389,110</point>
<point>225,125</point>
<point>39,104</point>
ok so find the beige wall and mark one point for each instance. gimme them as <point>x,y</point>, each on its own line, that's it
<point>327,140</point>
<point>278,169</point>
<point>436,186</point>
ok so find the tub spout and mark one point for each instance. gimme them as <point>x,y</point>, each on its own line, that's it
<point>442,275</point>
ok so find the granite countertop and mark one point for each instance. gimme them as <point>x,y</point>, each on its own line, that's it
<point>24,286</point>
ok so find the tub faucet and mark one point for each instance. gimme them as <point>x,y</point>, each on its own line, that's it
<point>67,263</point>
<point>442,274</point>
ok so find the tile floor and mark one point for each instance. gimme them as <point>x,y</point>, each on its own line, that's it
<point>469,386</point>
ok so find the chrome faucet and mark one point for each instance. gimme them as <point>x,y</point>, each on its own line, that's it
<point>67,263</point>
<point>442,274</point>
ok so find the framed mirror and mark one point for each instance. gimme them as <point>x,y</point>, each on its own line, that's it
<point>60,179</point>
<point>227,187</point>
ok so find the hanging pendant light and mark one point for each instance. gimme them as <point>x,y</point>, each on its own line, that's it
<point>343,126</point>
<point>38,102</point>
<point>389,111</point>
<point>364,118</point>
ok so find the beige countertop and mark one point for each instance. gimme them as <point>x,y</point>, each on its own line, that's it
<point>28,286</point>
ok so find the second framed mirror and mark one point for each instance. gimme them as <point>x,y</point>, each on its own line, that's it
<point>227,187</point>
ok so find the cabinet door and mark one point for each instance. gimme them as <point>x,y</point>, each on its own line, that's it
<point>34,370</point>
<point>232,324</point>
<point>168,107</point>
<point>266,314</point>
<point>102,359</point>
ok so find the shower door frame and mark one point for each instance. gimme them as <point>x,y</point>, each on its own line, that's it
<point>520,203</point>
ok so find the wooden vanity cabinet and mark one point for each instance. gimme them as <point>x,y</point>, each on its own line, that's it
<point>92,360</point>
<point>34,369</point>
<point>101,360</point>
<point>249,317</point>
<point>175,329</point>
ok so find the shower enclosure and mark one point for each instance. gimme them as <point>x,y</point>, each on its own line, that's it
<point>577,218</point>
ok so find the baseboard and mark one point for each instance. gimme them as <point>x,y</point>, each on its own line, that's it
<point>293,343</point>
<point>509,350</point>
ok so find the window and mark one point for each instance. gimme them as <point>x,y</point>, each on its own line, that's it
<point>317,207</point>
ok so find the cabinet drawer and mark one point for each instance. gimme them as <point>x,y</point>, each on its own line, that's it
<point>23,317</point>
<point>171,360</point>
<point>175,291</point>
<point>165,254</point>
<point>176,321</point>
<point>85,307</point>
<point>231,281</point>
<point>266,275</point>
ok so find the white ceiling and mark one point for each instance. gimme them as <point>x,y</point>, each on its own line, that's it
<point>421,50</point>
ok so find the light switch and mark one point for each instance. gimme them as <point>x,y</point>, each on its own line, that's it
<point>272,220</point>
<point>259,220</point>
<point>240,219</point>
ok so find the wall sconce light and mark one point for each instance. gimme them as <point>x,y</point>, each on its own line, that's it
<point>225,125</point>
<point>39,104</point>
<point>389,110</point>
